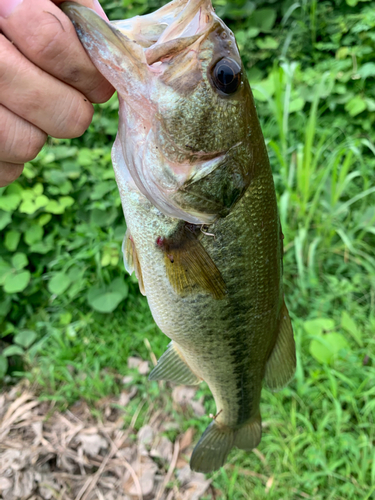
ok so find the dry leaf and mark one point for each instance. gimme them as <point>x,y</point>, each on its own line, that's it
<point>74,455</point>
<point>183,396</point>
<point>145,435</point>
<point>2,403</point>
<point>133,362</point>
<point>269,483</point>
<point>196,486</point>
<point>92,444</point>
<point>37,428</point>
<point>181,463</point>
<point>23,484</point>
<point>48,487</point>
<point>143,368</point>
<point>198,407</point>
<point>146,481</point>
<point>187,439</point>
<point>127,380</point>
<point>162,448</point>
<point>125,396</point>
<point>5,483</point>
<point>184,475</point>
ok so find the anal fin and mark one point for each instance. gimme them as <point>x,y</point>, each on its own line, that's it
<point>281,364</point>
<point>173,368</point>
<point>131,261</point>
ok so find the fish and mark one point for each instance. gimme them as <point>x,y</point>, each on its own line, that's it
<point>203,231</point>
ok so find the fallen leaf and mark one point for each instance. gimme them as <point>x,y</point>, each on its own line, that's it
<point>92,444</point>
<point>187,438</point>
<point>162,448</point>
<point>147,471</point>
<point>143,368</point>
<point>5,483</point>
<point>183,396</point>
<point>126,396</point>
<point>23,484</point>
<point>181,463</point>
<point>133,362</point>
<point>129,453</point>
<point>196,487</point>
<point>145,435</point>
<point>48,487</point>
<point>15,459</point>
<point>269,483</point>
<point>198,407</point>
<point>37,428</point>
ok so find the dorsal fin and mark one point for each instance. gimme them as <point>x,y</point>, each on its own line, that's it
<point>131,260</point>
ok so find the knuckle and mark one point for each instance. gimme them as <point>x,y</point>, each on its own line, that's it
<point>84,119</point>
<point>77,118</point>
<point>19,141</point>
<point>9,173</point>
<point>6,55</point>
<point>36,141</point>
<point>102,92</point>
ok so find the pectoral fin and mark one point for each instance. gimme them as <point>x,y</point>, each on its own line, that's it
<point>131,260</point>
<point>173,368</point>
<point>189,266</point>
<point>281,364</point>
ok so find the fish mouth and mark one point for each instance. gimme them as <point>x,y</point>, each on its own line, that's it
<point>192,20</point>
<point>193,23</point>
<point>161,34</point>
<point>178,19</point>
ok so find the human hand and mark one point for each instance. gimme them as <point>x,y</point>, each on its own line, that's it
<point>47,81</point>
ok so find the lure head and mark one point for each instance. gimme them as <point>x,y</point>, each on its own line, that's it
<point>188,127</point>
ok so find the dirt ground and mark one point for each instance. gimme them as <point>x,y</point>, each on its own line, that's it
<point>46,454</point>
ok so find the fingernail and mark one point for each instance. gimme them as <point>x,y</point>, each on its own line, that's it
<point>8,6</point>
<point>99,10</point>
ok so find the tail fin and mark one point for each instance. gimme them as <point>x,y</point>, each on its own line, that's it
<point>216,442</point>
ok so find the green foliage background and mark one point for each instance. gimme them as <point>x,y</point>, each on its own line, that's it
<point>70,316</point>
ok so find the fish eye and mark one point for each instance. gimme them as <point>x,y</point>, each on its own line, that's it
<point>226,75</point>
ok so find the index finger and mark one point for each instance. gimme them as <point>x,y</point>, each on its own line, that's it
<point>44,34</point>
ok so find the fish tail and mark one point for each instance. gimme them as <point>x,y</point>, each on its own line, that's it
<point>217,440</point>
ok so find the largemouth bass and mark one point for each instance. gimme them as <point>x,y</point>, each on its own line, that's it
<point>203,232</point>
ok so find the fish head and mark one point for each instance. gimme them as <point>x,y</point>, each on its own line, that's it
<point>187,116</point>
